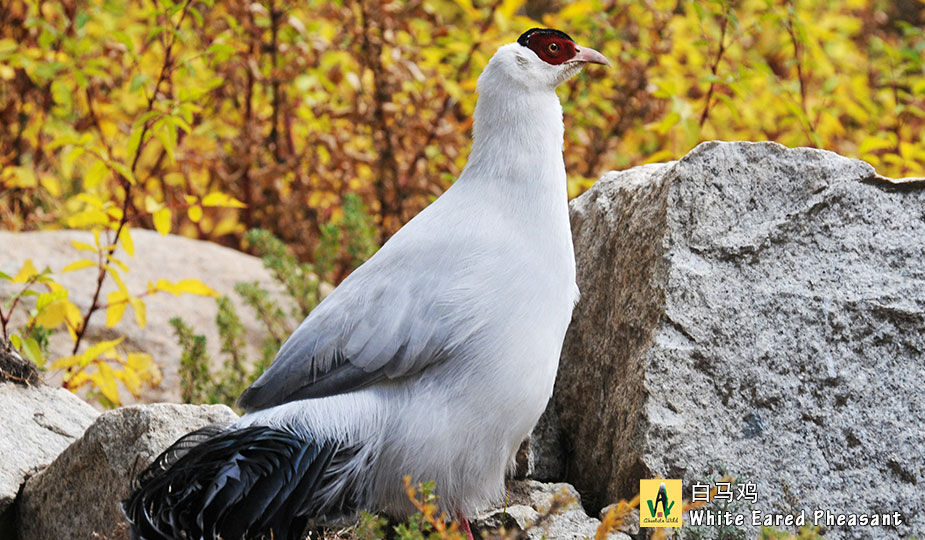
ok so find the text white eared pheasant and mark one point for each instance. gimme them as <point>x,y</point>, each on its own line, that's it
<point>434,359</point>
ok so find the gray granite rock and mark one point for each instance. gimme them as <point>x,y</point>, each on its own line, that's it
<point>755,309</point>
<point>36,424</point>
<point>543,510</point>
<point>78,496</point>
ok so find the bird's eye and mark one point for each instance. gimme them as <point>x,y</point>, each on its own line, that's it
<point>553,48</point>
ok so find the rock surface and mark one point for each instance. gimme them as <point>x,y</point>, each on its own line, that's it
<point>755,309</point>
<point>528,510</point>
<point>156,257</point>
<point>36,424</point>
<point>78,496</point>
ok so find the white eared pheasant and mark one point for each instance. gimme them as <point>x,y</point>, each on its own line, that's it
<point>434,359</point>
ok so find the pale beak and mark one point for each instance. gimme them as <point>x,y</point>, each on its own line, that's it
<point>589,55</point>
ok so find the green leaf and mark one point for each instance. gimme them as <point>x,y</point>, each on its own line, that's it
<point>33,351</point>
<point>123,170</point>
<point>95,174</point>
<point>138,81</point>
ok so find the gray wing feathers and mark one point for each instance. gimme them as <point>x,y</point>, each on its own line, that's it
<point>360,334</point>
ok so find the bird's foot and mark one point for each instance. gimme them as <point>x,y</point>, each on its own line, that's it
<point>461,518</point>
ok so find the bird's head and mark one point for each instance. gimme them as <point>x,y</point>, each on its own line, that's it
<point>543,58</point>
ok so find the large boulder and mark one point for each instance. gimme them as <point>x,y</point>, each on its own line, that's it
<point>156,257</point>
<point>751,309</point>
<point>78,496</point>
<point>36,424</point>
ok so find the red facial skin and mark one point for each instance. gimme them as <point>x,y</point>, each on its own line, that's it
<point>553,49</point>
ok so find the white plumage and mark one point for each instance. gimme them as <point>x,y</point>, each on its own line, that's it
<point>437,356</point>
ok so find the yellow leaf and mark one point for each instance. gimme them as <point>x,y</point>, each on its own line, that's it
<point>114,213</point>
<point>72,317</point>
<point>95,174</point>
<point>118,279</point>
<point>194,286</point>
<point>166,286</point>
<point>51,185</point>
<point>87,218</point>
<point>870,143</point>
<point>78,265</point>
<point>90,199</point>
<point>65,362</point>
<point>130,379</point>
<point>127,243</point>
<point>509,8</point>
<point>162,221</point>
<point>82,246</point>
<point>95,351</point>
<point>138,306</point>
<point>139,362</point>
<point>117,262</point>
<point>117,302</point>
<point>575,9</point>
<point>25,273</point>
<point>114,314</point>
<point>21,177</point>
<point>107,382</point>
<point>124,171</point>
<point>227,225</point>
<point>470,10</point>
<point>221,199</point>
<point>79,379</point>
<point>194,213</point>
<point>661,155</point>
<point>53,315</point>
<point>145,367</point>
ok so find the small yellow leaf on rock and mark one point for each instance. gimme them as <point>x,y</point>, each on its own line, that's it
<point>53,315</point>
<point>82,246</point>
<point>25,273</point>
<point>116,308</point>
<point>95,351</point>
<point>130,379</point>
<point>194,286</point>
<point>107,382</point>
<point>127,243</point>
<point>78,265</point>
<point>65,362</point>
<point>139,307</point>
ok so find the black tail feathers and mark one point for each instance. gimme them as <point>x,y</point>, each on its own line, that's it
<point>215,484</point>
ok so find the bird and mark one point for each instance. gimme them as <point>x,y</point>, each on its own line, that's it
<point>434,359</point>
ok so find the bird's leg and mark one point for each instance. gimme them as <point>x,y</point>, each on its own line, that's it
<point>461,518</point>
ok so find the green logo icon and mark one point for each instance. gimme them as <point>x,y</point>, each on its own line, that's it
<point>662,498</point>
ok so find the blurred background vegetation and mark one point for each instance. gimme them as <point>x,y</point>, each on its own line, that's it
<point>163,114</point>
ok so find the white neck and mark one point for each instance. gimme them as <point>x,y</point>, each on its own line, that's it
<point>517,136</point>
